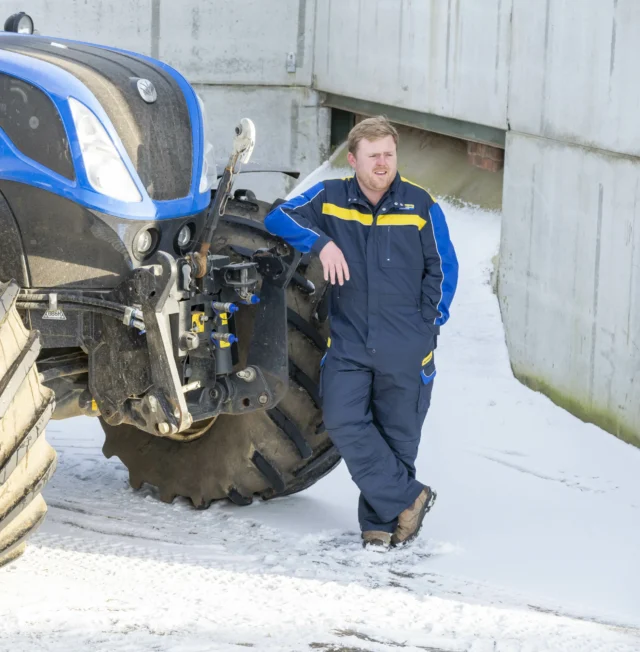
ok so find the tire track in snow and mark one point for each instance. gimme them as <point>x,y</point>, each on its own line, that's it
<point>106,520</point>
<point>171,599</point>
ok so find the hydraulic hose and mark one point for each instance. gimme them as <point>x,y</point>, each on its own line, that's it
<point>79,307</point>
<point>79,299</point>
<point>74,369</point>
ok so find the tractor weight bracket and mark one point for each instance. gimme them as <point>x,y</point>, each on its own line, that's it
<point>269,349</point>
<point>245,391</point>
<point>122,367</point>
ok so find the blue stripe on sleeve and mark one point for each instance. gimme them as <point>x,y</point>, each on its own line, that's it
<point>290,221</point>
<point>448,263</point>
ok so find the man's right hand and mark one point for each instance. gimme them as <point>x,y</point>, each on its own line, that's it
<point>334,264</point>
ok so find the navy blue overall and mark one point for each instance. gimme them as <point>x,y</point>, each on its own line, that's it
<point>378,371</point>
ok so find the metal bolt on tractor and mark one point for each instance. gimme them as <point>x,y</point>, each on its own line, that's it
<point>133,292</point>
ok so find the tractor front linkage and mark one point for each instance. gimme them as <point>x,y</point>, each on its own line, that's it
<point>160,347</point>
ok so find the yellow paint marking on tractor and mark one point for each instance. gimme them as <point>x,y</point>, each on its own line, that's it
<point>197,322</point>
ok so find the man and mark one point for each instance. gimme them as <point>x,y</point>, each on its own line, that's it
<point>385,242</point>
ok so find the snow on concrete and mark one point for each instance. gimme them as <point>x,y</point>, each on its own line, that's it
<point>532,544</point>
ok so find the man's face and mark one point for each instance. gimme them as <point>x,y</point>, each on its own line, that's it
<point>375,163</point>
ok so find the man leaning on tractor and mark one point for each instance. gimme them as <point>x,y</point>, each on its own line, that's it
<point>384,245</point>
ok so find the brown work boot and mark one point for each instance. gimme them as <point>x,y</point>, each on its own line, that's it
<point>410,521</point>
<point>376,540</point>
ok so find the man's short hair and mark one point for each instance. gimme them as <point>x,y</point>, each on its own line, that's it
<point>371,129</point>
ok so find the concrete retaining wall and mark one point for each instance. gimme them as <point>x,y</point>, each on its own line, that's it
<point>292,130</point>
<point>448,58</point>
<point>574,74</point>
<point>127,24</point>
<point>569,277</point>
<point>569,271</point>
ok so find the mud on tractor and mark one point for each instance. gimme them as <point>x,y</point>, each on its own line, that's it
<point>133,292</point>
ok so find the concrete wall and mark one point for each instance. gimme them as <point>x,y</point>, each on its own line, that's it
<point>569,267</point>
<point>235,53</point>
<point>292,130</point>
<point>574,72</point>
<point>238,43</point>
<point>447,58</point>
<point>126,24</point>
<point>569,277</point>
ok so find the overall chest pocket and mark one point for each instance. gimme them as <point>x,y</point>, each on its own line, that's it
<point>399,246</point>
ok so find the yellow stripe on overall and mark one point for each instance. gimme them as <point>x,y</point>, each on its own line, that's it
<point>418,186</point>
<point>348,214</point>
<point>400,219</point>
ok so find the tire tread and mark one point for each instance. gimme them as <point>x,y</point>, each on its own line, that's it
<point>27,461</point>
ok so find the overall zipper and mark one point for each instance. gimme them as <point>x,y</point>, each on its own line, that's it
<point>388,244</point>
<point>387,254</point>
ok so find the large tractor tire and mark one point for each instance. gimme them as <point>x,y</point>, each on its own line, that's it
<point>268,454</point>
<point>26,459</point>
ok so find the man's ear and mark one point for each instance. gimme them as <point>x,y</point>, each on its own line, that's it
<point>352,160</point>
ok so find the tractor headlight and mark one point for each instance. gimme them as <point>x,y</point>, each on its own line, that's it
<point>19,23</point>
<point>184,236</point>
<point>105,169</point>
<point>144,242</point>
<point>209,172</point>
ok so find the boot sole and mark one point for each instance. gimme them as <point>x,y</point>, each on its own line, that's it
<point>376,547</point>
<point>426,508</point>
<point>376,544</point>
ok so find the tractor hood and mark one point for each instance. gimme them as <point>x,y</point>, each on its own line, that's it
<point>149,108</point>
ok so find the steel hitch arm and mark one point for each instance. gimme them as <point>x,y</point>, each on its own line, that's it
<point>243,145</point>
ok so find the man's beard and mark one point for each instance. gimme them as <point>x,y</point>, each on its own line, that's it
<point>379,182</point>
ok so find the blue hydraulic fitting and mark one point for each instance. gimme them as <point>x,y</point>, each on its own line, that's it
<point>230,338</point>
<point>253,299</point>
<point>218,306</point>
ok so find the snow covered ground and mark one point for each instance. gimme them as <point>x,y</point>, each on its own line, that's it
<point>533,544</point>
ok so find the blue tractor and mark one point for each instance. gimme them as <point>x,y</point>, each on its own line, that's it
<point>133,292</point>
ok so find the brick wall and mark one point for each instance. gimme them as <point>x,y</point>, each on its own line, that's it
<point>485,157</point>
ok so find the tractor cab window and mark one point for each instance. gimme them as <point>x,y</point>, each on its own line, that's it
<point>33,124</point>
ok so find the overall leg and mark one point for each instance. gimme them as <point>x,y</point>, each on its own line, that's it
<point>381,477</point>
<point>399,403</point>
